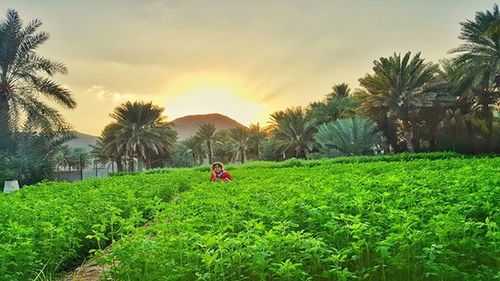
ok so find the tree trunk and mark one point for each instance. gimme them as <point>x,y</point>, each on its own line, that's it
<point>194,158</point>
<point>408,136</point>
<point>119,165</point>
<point>470,135</point>
<point>388,128</point>
<point>242,156</point>
<point>5,132</point>
<point>432,140</point>
<point>209,147</point>
<point>489,128</point>
<point>131,165</point>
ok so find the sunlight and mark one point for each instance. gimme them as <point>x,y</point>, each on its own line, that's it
<point>213,93</point>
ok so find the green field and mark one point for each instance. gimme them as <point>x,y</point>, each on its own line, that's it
<point>406,217</point>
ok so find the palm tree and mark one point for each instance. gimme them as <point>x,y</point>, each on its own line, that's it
<point>350,136</point>
<point>294,130</point>
<point>240,136</point>
<point>337,104</point>
<point>194,147</point>
<point>478,62</point>
<point>256,135</point>
<point>402,84</point>
<point>105,149</point>
<point>340,91</point>
<point>24,81</point>
<point>140,130</point>
<point>206,133</point>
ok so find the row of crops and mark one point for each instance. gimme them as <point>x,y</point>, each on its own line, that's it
<point>52,227</point>
<point>403,217</point>
<point>416,220</point>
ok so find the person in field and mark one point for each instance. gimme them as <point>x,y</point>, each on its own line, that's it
<point>218,173</point>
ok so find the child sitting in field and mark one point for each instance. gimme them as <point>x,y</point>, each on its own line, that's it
<point>218,173</point>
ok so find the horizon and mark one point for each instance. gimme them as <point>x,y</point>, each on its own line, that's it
<point>239,59</point>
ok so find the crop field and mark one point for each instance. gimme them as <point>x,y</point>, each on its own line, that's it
<point>404,217</point>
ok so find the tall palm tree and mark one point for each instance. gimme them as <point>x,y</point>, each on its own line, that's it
<point>341,90</point>
<point>140,130</point>
<point>350,136</point>
<point>194,147</point>
<point>402,84</point>
<point>206,133</point>
<point>256,135</point>
<point>25,78</point>
<point>337,104</point>
<point>294,130</point>
<point>107,147</point>
<point>240,136</point>
<point>478,61</point>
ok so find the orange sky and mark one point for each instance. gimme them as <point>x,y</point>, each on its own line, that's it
<point>241,58</point>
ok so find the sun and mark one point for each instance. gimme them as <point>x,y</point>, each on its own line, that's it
<point>213,93</point>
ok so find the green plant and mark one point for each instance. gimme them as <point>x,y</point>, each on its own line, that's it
<point>404,217</point>
<point>52,227</point>
<point>353,136</point>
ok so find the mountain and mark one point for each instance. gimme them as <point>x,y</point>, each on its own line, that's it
<point>82,140</point>
<point>188,125</point>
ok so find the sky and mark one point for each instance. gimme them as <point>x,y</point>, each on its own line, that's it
<point>245,59</point>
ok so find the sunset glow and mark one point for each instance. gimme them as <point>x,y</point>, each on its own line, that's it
<point>243,59</point>
<point>213,93</point>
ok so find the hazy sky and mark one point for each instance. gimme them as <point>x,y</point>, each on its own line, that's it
<point>241,58</point>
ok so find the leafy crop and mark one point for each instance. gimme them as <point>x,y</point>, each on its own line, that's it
<point>53,226</point>
<point>403,217</point>
<point>379,220</point>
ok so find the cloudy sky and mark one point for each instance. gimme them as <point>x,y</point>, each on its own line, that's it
<point>242,58</point>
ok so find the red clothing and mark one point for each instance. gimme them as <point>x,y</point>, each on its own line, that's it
<point>225,176</point>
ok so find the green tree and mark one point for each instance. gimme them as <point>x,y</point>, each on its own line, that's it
<point>25,78</point>
<point>223,146</point>
<point>108,147</point>
<point>349,136</point>
<point>35,157</point>
<point>256,135</point>
<point>399,86</point>
<point>73,158</point>
<point>294,130</point>
<point>194,146</point>
<point>240,136</point>
<point>206,133</point>
<point>140,130</point>
<point>478,64</point>
<point>337,104</point>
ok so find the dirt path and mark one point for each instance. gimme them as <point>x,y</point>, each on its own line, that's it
<point>89,271</point>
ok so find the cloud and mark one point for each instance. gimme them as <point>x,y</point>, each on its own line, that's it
<point>103,93</point>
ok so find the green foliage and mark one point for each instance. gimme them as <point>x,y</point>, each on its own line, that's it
<point>207,134</point>
<point>54,225</point>
<point>72,158</point>
<point>139,130</point>
<point>26,79</point>
<point>256,135</point>
<point>294,131</point>
<point>378,219</point>
<point>353,136</point>
<point>399,86</point>
<point>337,104</point>
<point>181,156</point>
<point>477,68</point>
<point>223,147</point>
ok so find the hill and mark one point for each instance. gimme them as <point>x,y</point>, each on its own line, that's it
<point>188,125</point>
<point>82,141</point>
